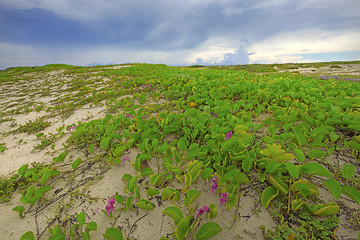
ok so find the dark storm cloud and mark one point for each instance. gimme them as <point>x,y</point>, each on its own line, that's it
<point>162,24</point>
<point>165,25</point>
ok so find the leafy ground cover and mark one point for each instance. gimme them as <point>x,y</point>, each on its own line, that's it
<point>138,151</point>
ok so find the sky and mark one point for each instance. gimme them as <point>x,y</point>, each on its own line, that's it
<point>173,32</point>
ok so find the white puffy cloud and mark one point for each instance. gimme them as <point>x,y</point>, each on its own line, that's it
<point>286,47</point>
<point>239,56</point>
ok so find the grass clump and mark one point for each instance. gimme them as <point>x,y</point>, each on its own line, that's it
<point>33,127</point>
<point>9,185</point>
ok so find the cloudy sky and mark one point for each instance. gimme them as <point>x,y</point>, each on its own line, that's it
<point>173,32</point>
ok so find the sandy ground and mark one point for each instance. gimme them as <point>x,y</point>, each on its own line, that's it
<point>90,188</point>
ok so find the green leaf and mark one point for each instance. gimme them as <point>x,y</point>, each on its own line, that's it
<point>351,192</point>
<point>190,196</point>
<point>119,151</point>
<point>92,148</point>
<point>205,174</point>
<point>284,157</point>
<point>193,151</point>
<point>170,193</point>
<point>28,236</point>
<point>315,168</point>
<point>247,163</point>
<point>182,228</point>
<point>271,167</point>
<point>333,136</point>
<point>20,210</point>
<point>146,172</point>
<point>348,171</point>
<point>22,169</point>
<point>81,218</point>
<point>105,142</point>
<point>323,210</point>
<point>72,229</point>
<point>24,199</point>
<point>182,144</point>
<point>113,234</point>
<point>92,226</point>
<point>131,184</point>
<point>261,175</point>
<point>355,145</point>
<point>279,184</point>
<point>175,213</point>
<point>240,177</point>
<point>85,235</point>
<point>152,192</point>
<point>43,189</point>
<point>316,153</point>
<point>213,210</point>
<point>306,188</point>
<point>334,187</point>
<point>267,195</point>
<point>156,179</point>
<point>45,177</point>
<point>145,204</point>
<point>126,178</point>
<point>130,143</point>
<point>126,134</point>
<point>194,168</point>
<point>292,169</point>
<point>60,158</point>
<point>137,164</point>
<point>208,230</point>
<point>300,156</point>
<point>129,202</point>
<point>231,203</point>
<point>355,126</point>
<point>120,199</point>
<point>36,197</point>
<point>76,163</point>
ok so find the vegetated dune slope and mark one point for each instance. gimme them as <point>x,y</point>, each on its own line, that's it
<point>220,152</point>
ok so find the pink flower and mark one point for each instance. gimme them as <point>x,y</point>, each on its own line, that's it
<point>126,158</point>
<point>204,209</point>
<point>73,127</point>
<point>109,208</point>
<point>228,135</point>
<point>224,198</point>
<point>145,117</point>
<point>214,184</point>
<point>129,116</point>
<point>111,201</point>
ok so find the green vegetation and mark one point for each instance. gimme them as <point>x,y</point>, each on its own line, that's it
<point>278,133</point>
<point>33,127</point>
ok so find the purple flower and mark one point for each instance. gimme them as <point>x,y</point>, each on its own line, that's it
<point>111,201</point>
<point>145,117</point>
<point>204,209</point>
<point>129,116</point>
<point>214,184</point>
<point>228,135</point>
<point>224,198</point>
<point>73,127</point>
<point>126,158</point>
<point>109,208</point>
